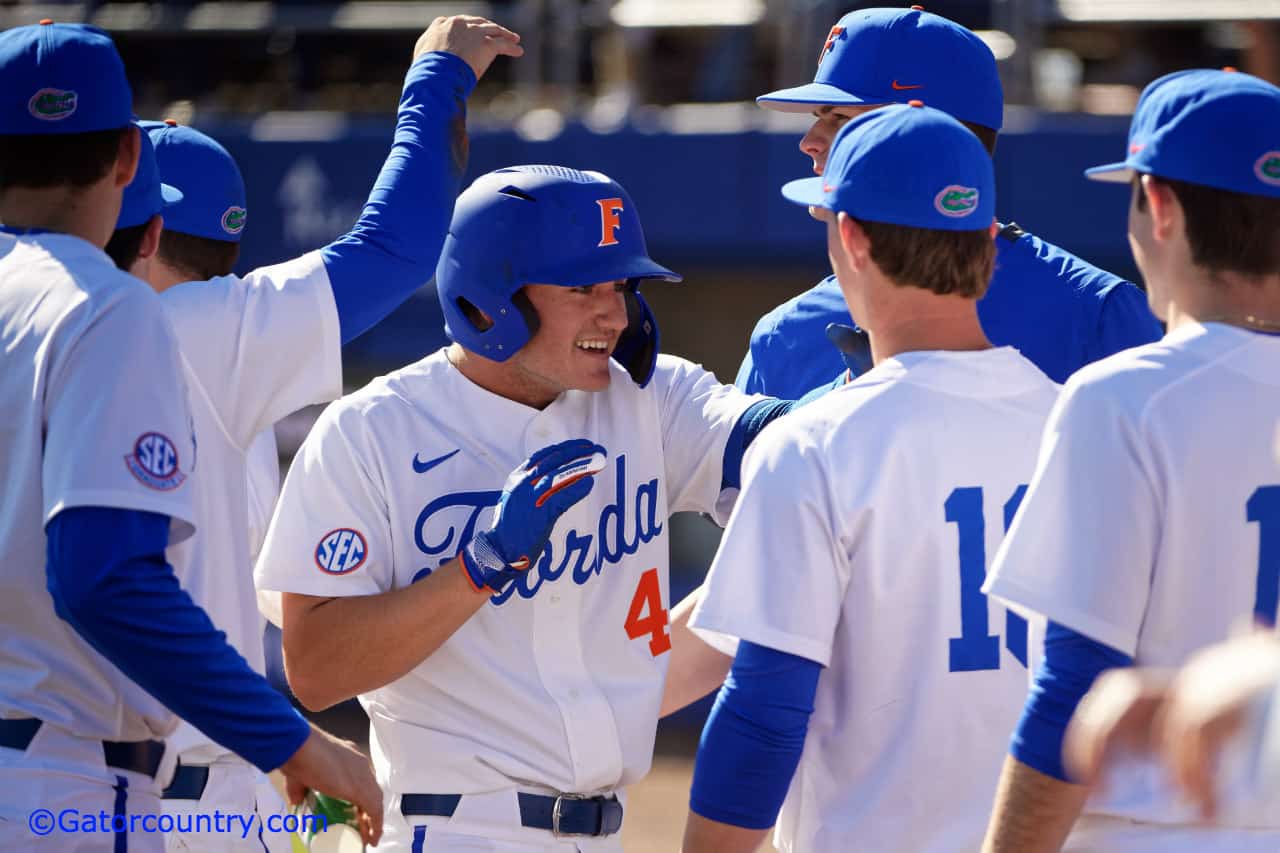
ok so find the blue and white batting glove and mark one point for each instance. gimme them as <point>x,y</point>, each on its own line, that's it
<point>533,499</point>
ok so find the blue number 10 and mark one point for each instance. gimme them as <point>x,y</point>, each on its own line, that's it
<point>1264,507</point>
<point>975,649</point>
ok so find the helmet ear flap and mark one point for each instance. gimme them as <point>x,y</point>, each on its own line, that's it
<point>494,327</point>
<point>637,347</point>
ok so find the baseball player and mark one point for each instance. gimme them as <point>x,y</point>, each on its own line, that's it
<point>1054,308</point>
<point>1149,528</point>
<point>508,633</point>
<point>259,347</point>
<point>101,642</point>
<point>849,573</point>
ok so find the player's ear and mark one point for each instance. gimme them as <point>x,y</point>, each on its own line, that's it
<point>127,157</point>
<point>1162,202</point>
<point>854,240</point>
<point>151,238</point>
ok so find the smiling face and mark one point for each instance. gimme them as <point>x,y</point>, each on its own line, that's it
<point>817,142</point>
<point>578,328</point>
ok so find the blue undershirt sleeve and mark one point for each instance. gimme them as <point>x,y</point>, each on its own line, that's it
<point>1072,662</point>
<point>756,417</point>
<point>1125,321</point>
<point>109,580</point>
<point>754,737</point>
<point>394,246</point>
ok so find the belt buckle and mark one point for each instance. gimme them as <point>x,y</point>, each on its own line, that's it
<point>555,815</point>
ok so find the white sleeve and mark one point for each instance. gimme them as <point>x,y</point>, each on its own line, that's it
<point>780,576</point>
<point>118,429</point>
<point>1083,544</point>
<point>262,346</point>
<point>331,533</point>
<point>262,486</point>
<point>698,414</point>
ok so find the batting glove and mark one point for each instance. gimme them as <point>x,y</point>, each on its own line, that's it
<point>854,347</point>
<point>533,499</point>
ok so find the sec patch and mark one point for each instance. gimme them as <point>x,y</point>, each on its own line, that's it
<point>154,462</point>
<point>341,551</point>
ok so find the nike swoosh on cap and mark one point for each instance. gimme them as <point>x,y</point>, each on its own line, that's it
<point>903,87</point>
<point>420,467</point>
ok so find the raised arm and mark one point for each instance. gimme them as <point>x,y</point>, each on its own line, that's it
<point>393,248</point>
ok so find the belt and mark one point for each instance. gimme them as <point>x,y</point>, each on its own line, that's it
<point>138,756</point>
<point>188,783</point>
<point>563,815</point>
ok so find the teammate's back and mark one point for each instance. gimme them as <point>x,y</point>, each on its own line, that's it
<point>1162,462</point>
<point>916,467</point>
<point>851,568</point>
<point>1209,473</point>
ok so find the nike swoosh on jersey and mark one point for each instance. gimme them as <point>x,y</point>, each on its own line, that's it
<point>902,88</point>
<point>420,467</point>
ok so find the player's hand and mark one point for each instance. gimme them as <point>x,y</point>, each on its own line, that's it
<point>535,496</point>
<point>337,768</point>
<point>476,41</point>
<point>1115,717</point>
<point>1208,703</point>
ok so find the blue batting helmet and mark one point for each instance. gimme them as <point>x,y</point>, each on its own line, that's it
<point>542,225</point>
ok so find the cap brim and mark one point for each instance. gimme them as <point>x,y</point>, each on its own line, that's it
<point>1111,173</point>
<point>803,99</point>
<point>806,191</point>
<point>171,195</point>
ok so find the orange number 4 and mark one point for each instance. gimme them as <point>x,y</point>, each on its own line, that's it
<point>654,625</point>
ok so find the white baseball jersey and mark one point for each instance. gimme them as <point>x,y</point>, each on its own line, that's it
<point>95,414</point>
<point>555,684</point>
<point>255,349</point>
<point>1153,521</point>
<point>860,541</point>
<point>262,464</point>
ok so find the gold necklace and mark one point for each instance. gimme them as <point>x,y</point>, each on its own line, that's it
<point>1248,322</point>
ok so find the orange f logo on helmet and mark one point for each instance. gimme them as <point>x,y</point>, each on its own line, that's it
<point>610,220</point>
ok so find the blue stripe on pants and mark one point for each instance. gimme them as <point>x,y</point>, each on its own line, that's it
<point>122,795</point>
<point>419,838</point>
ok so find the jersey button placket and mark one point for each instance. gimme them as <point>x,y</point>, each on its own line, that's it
<point>542,430</point>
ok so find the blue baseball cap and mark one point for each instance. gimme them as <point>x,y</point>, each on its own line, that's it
<point>61,78</point>
<point>213,196</point>
<point>1216,128</point>
<point>146,195</point>
<point>892,56</point>
<point>905,165</point>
